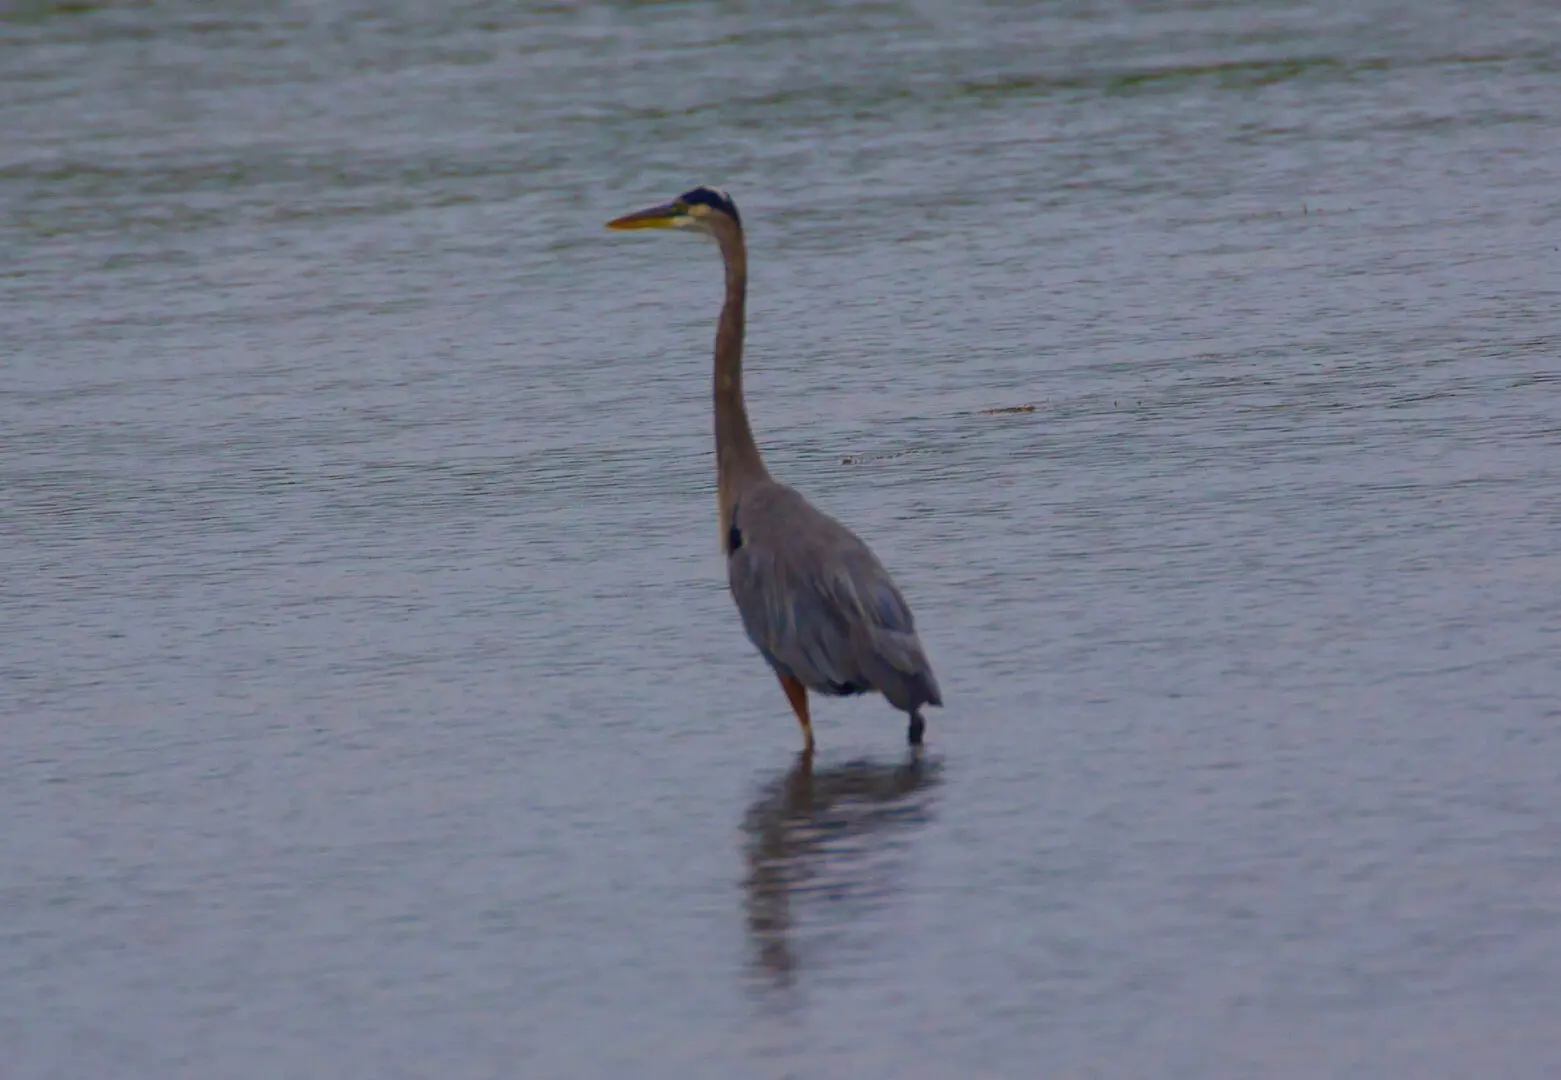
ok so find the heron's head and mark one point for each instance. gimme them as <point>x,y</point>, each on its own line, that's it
<point>702,210</point>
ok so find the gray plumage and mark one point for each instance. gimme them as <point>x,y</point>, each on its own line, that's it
<point>818,604</point>
<point>813,598</point>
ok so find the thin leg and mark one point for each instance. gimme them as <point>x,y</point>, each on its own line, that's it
<point>797,694</point>
<point>917,728</point>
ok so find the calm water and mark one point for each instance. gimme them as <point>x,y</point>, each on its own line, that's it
<point>373,703</point>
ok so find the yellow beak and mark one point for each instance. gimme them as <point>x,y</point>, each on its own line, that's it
<point>657,217</point>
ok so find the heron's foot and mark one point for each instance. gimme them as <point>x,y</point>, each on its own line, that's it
<point>916,730</point>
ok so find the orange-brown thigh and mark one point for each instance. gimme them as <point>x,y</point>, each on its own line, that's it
<point>797,694</point>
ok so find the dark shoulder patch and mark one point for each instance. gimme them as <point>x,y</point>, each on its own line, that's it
<point>734,535</point>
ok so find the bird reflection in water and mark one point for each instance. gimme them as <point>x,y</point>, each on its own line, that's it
<point>830,838</point>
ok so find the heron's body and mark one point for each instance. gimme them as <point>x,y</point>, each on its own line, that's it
<point>813,597</point>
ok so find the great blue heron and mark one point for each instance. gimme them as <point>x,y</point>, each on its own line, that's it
<point>813,597</point>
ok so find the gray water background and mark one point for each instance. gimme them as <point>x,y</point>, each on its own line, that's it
<point>373,705</point>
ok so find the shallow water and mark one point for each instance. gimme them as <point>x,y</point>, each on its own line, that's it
<point>375,706</point>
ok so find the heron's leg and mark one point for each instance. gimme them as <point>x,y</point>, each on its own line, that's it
<point>917,728</point>
<point>797,694</point>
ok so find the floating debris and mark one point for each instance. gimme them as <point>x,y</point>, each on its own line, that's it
<point>863,459</point>
<point>1008,409</point>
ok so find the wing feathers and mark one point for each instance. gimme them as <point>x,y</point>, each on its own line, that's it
<point>820,607</point>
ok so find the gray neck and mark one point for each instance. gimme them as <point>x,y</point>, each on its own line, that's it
<point>737,456</point>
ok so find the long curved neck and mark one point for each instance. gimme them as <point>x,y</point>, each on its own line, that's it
<point>738,463</point>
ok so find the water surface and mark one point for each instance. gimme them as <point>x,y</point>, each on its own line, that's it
<point>374,703</point>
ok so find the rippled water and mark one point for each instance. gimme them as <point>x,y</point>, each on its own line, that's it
<point>374,703</point>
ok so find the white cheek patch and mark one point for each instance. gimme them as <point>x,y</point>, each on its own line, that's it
<point>699,209</point>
